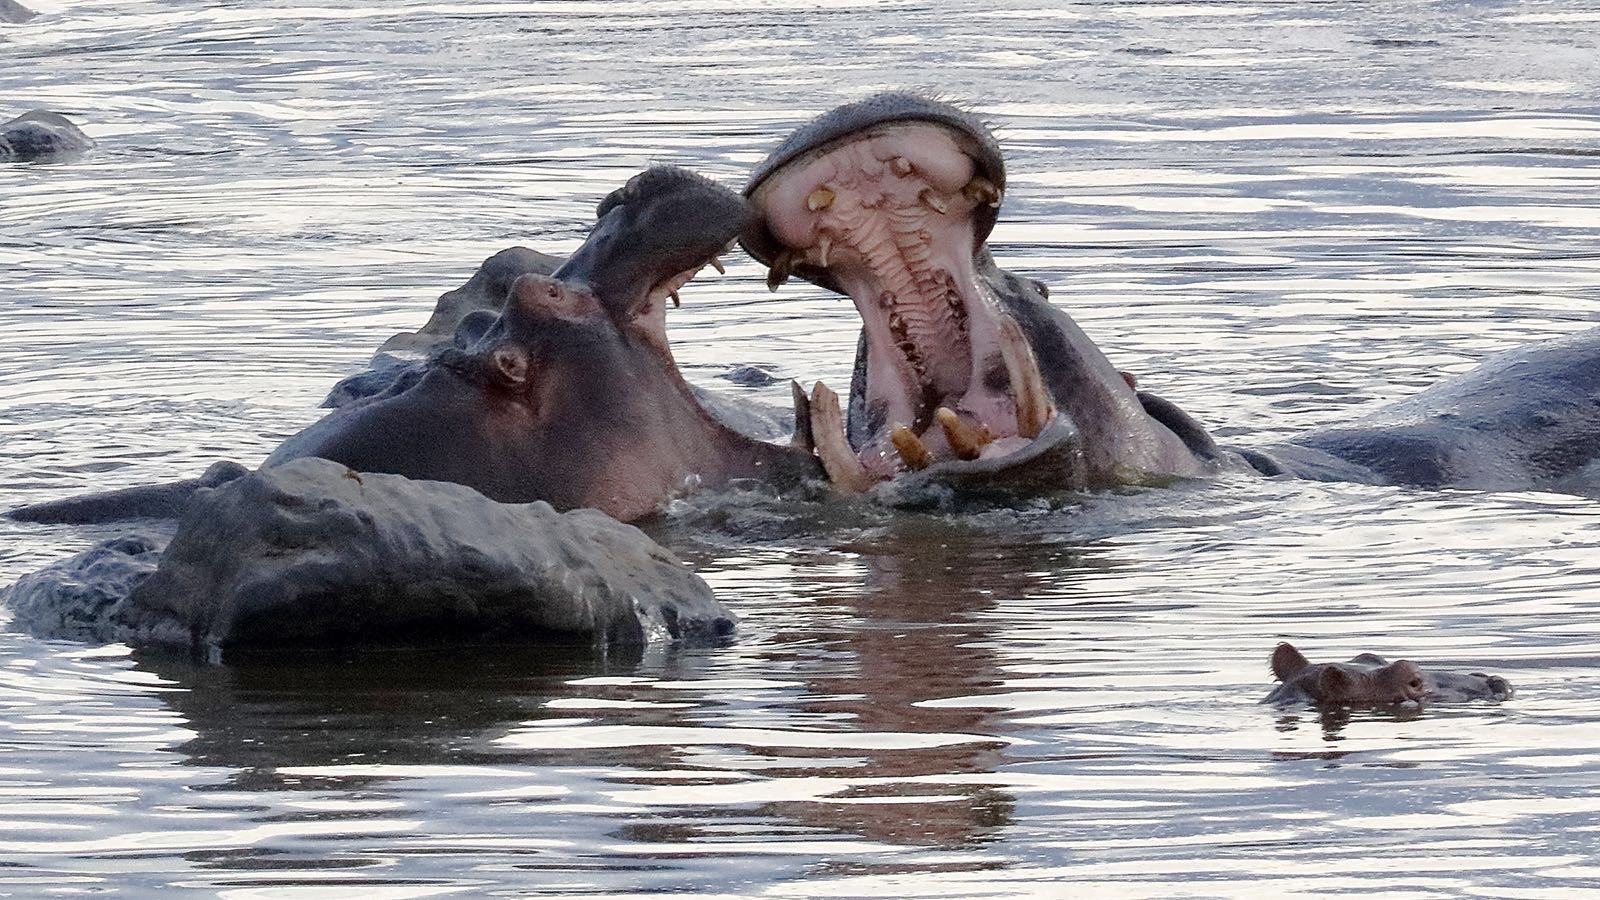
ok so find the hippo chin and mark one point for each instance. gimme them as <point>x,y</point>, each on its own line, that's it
<point>1371,680</point>
<point>570,395</point>
<point>890,200</point>
<point>39,136</point>
<point>962,366</point>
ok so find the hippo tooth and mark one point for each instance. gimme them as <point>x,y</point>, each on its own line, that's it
<point>1027,382</point>
<point>966,441</point>
<point>901,166</point>
<point>675,301</point>
<point>982,190</point>
<point>782,267</point>
<point>802,419</point>
<point>910,447</point>
<point>823,245</point>
<point>827,429</point>
<point>717,264</point>
<point>932,201</point>
<point>820,199</point>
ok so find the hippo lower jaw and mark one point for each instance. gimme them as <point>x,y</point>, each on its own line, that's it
<point>888,214</point>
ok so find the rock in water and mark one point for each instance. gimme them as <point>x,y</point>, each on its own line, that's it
<point>74,599</point>
<point>312,553</point>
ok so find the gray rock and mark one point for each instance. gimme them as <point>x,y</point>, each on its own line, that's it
<point>310,553</point>
<point>73,599</point>
<point>40,135</point>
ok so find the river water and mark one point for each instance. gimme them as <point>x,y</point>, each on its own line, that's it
<point>1277,214</point>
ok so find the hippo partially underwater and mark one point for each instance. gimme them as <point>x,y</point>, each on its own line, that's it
<point>1371,680</point>
<point>966,372</point>
<point>570,396</point>
<point>41,135</point>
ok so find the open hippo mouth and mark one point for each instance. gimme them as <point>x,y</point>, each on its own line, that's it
<point>890,201</point>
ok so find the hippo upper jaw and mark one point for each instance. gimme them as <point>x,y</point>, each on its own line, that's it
<point>895,214</point>
<point>651,237</point>
<point>887,216</point>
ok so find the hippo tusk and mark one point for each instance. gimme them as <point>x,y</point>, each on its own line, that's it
<point>910,447</point>
<point>827,430</point>
<point>802,419</point>
<point>966,441</point>
<point>675,301</point>
<point>782,268</point>
<point>1027,382</point>
<point>824,244</point>
<point>933,201</point>
<point>717,264</point>
<point>820,199</point>
<point>901,166</point>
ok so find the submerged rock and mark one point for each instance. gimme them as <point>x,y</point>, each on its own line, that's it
<point>40,135</point>
<point>311,553</point>
<point>74,599</point>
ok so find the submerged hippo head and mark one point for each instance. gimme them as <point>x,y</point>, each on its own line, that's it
<point>572,395</point>
<point>890,200</point>
<point>1371,680</point>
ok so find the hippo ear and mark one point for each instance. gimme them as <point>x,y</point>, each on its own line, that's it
<point>543,297</point>
<point>1287,661</point>
<point>1333,683</point>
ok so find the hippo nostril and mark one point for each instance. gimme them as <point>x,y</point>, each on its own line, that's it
<point>511,363</point>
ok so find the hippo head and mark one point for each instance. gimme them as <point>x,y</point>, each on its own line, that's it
<point>649,239</point>
<point>891,200</point>
<point>1367,680</point>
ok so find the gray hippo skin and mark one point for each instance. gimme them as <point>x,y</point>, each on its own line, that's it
<point>890,200</point>
<point>40,135</point>
<point>964,369</point>
<point>572,396</point>
<point>1371,680</point>
<point>14,13</point>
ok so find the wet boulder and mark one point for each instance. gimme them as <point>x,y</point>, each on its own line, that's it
<point>1371,680</point>
<point>75,599</point>
<point>310,553</point>
<point>40,135</point>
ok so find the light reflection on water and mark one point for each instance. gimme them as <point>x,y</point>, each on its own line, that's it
<point>1275,214</point>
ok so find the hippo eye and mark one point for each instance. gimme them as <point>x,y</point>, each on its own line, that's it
<point>1416,683</point>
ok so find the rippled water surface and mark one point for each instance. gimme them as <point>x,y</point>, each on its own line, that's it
<point>1278,214</point>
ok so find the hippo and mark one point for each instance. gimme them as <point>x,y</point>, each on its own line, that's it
<point>571,395</point>
<point>966,372</point>
<point>40,135</point>
<point>14,13</point>
<point>1371,680</point>
<point>890,200</point>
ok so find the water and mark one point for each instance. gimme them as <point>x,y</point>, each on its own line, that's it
<point>1277,214</point>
